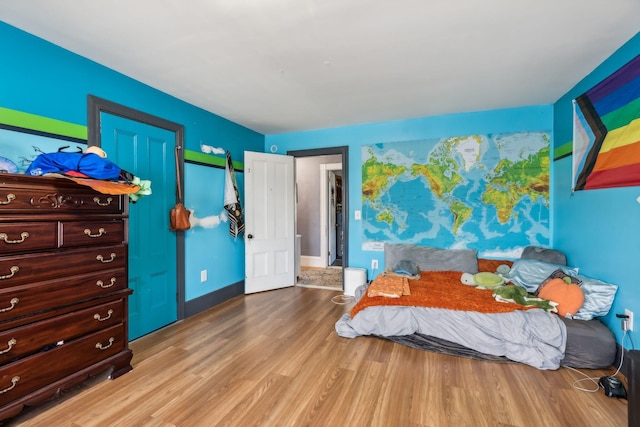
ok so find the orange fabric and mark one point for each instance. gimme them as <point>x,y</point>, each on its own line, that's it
<point>389,286</point>
<point>617,157</point>
<point>491,265</point>
<point>406,290</point>
<point>104,187</point>
<point>442,289</point>
<point>107,187</point>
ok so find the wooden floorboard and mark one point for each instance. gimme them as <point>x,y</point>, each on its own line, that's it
<point>274,359</point>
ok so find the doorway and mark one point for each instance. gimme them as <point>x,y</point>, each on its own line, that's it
<point>331,234</point>
<point>319,234</point>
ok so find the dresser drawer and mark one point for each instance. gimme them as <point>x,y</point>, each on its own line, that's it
<point>31,298</point>
<point>26,236</point>
<point>48,200</point>
<point>29,339</point>
<point>91,233</point>
<point>29,268</point>
<point>38,370</point>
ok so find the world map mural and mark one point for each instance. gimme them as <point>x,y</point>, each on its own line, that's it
<point>486,192</point>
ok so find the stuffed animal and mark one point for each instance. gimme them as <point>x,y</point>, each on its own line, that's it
<point>482,280</point>
<point>568,295</point>
<point>513,293</point>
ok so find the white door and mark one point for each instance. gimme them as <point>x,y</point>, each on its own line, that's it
<point>269,221</point>
<point>331,231</point>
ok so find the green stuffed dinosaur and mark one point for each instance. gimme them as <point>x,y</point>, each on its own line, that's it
<point>513,293</point>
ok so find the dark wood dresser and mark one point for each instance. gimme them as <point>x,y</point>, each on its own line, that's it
<point>63,288</point>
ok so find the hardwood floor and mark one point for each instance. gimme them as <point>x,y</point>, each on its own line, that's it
<point>274,359</point>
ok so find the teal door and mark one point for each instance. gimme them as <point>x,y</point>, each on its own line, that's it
<point>148,153</point>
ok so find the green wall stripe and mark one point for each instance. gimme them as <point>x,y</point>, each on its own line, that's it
<point>42,124</point>
<point>209,160</point>
<point>563,151</point>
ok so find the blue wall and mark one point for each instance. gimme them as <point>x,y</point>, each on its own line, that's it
<point>40,78</point>
<point>498,121</point>
<point>599,230</point>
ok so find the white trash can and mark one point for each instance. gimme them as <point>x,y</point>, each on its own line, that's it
<point>354,277</point>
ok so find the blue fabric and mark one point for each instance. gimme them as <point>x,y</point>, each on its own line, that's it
<point>89,164</point>
<point>598,298</point>
<point>529,273</point>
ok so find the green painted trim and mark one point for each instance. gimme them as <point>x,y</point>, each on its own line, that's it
<point>563,151</point>
<point>209,160</point>
<point>42,124</point>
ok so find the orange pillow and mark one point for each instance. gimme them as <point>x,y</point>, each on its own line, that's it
<point>569,296</point>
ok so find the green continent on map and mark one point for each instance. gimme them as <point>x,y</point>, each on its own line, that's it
<point>461,213</point>
<point>513,181</point>
<point>385,216</point>
<point>442,171</point>
<point>376,177</point>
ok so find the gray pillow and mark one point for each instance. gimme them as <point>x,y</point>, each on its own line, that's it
<point>431,259</point>
<point>543,254</point>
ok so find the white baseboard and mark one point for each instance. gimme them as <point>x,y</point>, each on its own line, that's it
<point>312,261</point>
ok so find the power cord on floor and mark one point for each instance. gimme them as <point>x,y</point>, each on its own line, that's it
<point>595,380</point>
<point>342,299</point>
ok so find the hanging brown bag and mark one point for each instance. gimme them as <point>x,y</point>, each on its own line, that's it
<point>179,215</point>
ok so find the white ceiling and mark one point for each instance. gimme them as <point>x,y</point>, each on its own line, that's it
<point>289,65</point>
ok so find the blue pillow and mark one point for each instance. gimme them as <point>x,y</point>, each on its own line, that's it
<point>530,273</point>
<point>598,298</point>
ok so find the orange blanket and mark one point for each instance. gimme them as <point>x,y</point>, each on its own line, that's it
<point>442,289</point>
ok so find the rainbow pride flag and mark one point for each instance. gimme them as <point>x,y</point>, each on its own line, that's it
<point>606,132</point>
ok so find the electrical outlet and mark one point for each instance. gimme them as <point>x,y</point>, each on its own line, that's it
<point>203,276</point>
<point>629,319</point>
<point>374,264</point>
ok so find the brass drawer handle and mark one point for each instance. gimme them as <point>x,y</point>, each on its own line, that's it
<point>14,269</point>
<point>99,346</point>
<point>105,261</point>
<point>14,381</point>
<point>4,237</point>
<point>103,286</point>
<point>99,203</point>
<point>10,198</point>
<point>101,231</point>
<point>10,345</point>
<point>102,319</point>
<point>13,302</point>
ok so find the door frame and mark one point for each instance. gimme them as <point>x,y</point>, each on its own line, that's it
<point>96,106</point>
<point>344,151</point>
<point>325,206</point>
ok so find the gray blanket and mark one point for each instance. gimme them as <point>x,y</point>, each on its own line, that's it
<point>533,337</point>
